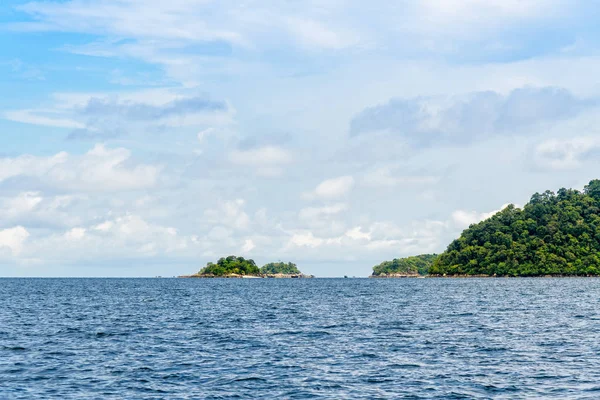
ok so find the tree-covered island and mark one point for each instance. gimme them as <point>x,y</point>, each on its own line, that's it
<point>555,234</point>
<point>280,268</point>
<point>240,267</point>
<point>409,267</point>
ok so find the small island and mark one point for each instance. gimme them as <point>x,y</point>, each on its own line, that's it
<point>409,267</point>
<point>240,267</point>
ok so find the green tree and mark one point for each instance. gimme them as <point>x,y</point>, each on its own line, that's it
<point>415,265</point>
<point>554,234</point>
<point>280,268</point>
<point>230,265</point>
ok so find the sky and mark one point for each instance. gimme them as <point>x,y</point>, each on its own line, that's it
<point>148,137</point>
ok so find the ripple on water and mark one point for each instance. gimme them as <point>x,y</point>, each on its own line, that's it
<point>299,339</point>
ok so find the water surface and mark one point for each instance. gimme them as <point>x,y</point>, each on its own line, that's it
<point>299,339</point>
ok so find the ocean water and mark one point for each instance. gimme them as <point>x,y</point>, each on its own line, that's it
<point>299,339</point>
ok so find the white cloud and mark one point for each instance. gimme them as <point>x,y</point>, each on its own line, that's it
<point>100,169</point>
<point>266,155</point>
<point>314,34</point>
<point>383,239</point>
<point>75,234</point>
<point>13,239</point>
<point>388,176</point>
<point>332,188</point>
<point>248,245</point>
<point>203,134</point>
<point>33,208</point>
<point>127,236</point>
<point>313,213</point>
<point>36,117</point>
<point>463,219</point>
<point>308,239</point>
<point>129,18</point>
<point>562,154</point>
<point>23,203</point>
<point>461,11</point>
<point>229,213</point>
<point>266,160</point>
<point>356,233</point>
<point>104,226</point>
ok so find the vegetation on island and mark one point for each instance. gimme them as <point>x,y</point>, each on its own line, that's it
<point>280,268</point>
<point>231,265</point>
<point>415,265</point>
<point>239,266</point>
<point>554,234</point>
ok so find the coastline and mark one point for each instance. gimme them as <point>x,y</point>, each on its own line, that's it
<point>261,276</point>
<point>511,276</point>
<point>397,276</point>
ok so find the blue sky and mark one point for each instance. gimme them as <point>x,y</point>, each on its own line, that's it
<point>144,138</point>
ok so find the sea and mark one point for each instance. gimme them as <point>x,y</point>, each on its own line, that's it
<point>300,338</point>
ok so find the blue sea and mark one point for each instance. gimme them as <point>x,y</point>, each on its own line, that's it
<point>299,338</point>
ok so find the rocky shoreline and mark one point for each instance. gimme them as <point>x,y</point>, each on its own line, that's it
<point>260,276</point>
<point>479,276</point>
<point>396,275</point>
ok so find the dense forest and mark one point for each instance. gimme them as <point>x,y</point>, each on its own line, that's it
<point>554,234</point>
<point>230,265</point>
<point>415,265</point>
<point>280,268</point>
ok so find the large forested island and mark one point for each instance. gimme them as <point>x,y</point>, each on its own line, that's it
<point>555,234</point>
<point>409,267</point>
<point>239,267</point>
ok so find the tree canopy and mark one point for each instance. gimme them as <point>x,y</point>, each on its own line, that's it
<point>554,234</point>
<point>410,265</point>
<point>280,268</point>
<point>231,265</point>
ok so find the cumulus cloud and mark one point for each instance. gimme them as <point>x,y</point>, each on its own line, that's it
<point>308,239</point>
<point>390,176</point>
<point>128,236</point>
<point>383,238</point>
<point>230,214</point>
<point>100,169</point>
<point>463,219</point>
<point>13,239</point>
<point>564,154</point>
<point>332,188</point>
<point>311,213</point>
<point>266,160</point>
<point>248,245</point>
<point>75,234</point>
<point>23,203</point>
<point>433,121</point>
<point>33,209</point>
